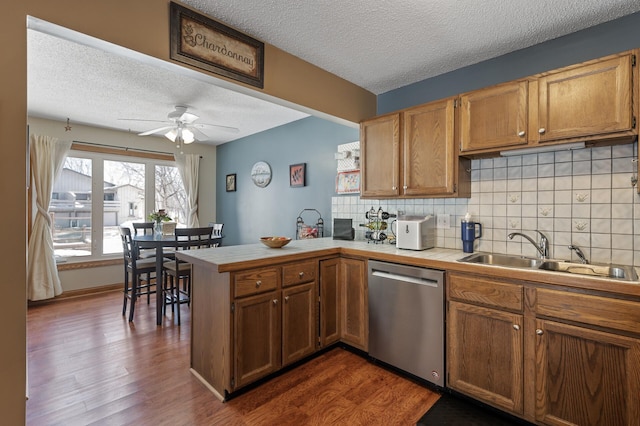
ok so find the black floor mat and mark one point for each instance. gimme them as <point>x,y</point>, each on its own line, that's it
<point>451,410</point>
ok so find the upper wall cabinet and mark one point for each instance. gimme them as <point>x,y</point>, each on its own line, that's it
<point>495,117</point>
<point>420,160</point>
<point>589,100</point>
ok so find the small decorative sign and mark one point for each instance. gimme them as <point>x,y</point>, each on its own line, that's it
<point>231,182</point>
<point>297,174</point>
<point>204,43</point>
<point>348,182</point>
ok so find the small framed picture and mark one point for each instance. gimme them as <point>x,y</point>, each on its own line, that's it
<point>231,182</point>
<point>296,174</point>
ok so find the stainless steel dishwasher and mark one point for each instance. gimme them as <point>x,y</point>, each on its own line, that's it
<point>406,319</point>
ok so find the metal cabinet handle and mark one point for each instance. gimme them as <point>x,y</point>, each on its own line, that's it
<point>275,301</point>
<point>258,283</point>
<point>301,274</point>
<point>542,130</point>
<point>539,332</point>
<point>521,133</point>
<point>286,298</point>
<point>516,327</point>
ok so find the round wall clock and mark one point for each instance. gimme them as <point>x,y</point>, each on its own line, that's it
<point>261,174</point>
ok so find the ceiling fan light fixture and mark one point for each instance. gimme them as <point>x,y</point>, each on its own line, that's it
<point>188,136</point>
<point>171,135</point>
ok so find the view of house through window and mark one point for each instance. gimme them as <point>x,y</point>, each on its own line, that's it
<point>96,193</point>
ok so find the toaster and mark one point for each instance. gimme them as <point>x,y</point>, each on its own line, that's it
<point>415,232</point>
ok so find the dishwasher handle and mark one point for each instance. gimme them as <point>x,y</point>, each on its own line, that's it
<point>406,278</point>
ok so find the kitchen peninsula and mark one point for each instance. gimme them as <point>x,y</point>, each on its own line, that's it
<point>256,310</point>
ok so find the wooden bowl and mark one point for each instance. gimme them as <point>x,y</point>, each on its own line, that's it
<point>277,243</point>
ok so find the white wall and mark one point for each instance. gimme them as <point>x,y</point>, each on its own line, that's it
<point>96,277</point>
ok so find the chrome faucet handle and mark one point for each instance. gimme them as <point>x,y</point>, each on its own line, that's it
<point>544,245</point>
<point>579,253</point>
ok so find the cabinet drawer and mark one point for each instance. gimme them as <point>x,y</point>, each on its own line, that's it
<point>595,310</point>
<point>298,273</point>
<point>256,281</point>
<point>485,291</point>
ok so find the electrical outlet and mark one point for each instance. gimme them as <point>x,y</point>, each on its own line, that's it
<point>442,221</point>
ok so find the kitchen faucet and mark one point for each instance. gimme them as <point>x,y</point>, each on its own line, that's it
<point>542,246</point>
<point>580,253</point>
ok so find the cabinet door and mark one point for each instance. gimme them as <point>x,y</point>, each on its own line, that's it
<point>494,117</point>
<point>329,301</point>
<point>428,157</point>
<point>354,328</point>
<point>586,377</point>
<point>299,324</point>
<point>485,355</point>
<point>589,100</point>
<point>380,156</point>
<point>257,337</point>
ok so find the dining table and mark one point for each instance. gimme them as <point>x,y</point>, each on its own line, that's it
<point>159,242</point>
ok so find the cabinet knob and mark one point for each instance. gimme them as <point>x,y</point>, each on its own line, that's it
<point>275,301</point>
<point>539,332</point>
<point>542,130</point>
<point>286,298</point>
<point>405,187</point>
<point>301,274</point>
<point>516,327</point>
<point>394,188</point>
<point>521,133</point>
<point>258,283</point>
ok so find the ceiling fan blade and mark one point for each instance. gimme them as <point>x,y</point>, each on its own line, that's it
<point>158,130</point>
<point>217,126</point>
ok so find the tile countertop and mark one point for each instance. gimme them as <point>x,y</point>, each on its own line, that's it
<point>242,257</point>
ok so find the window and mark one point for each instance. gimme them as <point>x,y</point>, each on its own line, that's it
<point>96,193</point>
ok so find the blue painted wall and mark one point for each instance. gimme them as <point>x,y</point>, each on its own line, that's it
<point>252,212</point>
<point>604,39</point>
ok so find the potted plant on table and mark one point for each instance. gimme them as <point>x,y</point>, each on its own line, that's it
<point>159,217</point>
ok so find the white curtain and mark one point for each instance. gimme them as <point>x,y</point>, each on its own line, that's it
<point>188,166</point>
<point>46,156</point>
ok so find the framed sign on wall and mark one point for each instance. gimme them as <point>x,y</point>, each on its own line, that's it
<point>199,41</point>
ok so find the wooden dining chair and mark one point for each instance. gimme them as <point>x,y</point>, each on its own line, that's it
<point>177,270</point>
<point>139,269</point>
<point>144,228</point>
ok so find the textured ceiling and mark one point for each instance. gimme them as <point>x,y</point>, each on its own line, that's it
<point>379,45</point>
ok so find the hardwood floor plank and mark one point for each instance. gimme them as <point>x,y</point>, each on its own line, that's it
<point>89,365</point>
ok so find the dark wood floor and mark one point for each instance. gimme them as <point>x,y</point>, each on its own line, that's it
<point>89,365</point>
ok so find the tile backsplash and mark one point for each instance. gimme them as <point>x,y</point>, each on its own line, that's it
<point>583,197</point>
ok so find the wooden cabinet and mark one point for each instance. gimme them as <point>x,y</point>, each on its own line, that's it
<point>552,356</point>
<point>329,301</point>
<point>495,117</point>
<point>587,364</point>
<point>380,156</point>
<point>274,318</point>
<point>354,309</point>
<point>257,337</point>
<point>412,154</point>
<point>593,99</point>
<point>485,341</point>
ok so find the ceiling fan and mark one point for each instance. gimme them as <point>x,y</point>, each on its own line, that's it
<point>182,127</point>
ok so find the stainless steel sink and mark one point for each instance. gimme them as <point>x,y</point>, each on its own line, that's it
<point>621,272</point>
<point>503,260</point>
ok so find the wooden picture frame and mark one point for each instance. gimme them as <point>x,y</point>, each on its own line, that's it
<point>199,41</point>
<point>231,182</point>
<point>297,176</point>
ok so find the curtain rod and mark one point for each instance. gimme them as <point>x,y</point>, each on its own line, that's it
<point>125,148</point>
